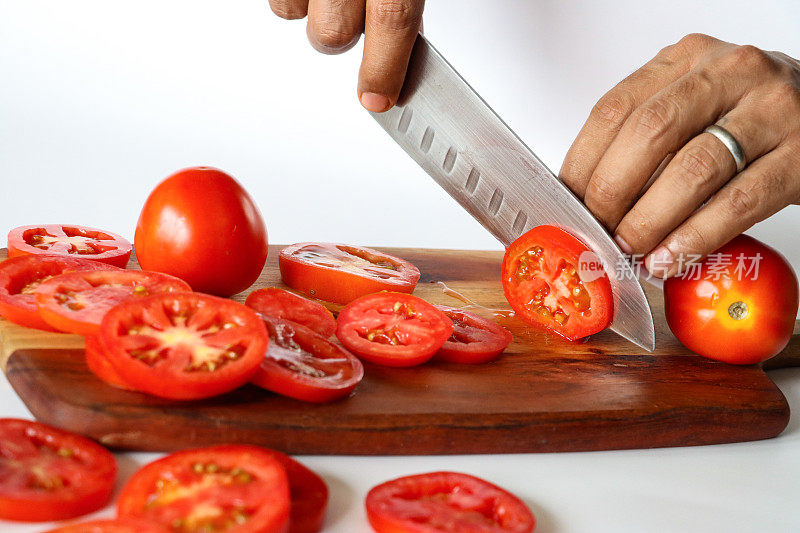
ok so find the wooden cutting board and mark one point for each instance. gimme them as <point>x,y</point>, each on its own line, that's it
<point>544,395</point>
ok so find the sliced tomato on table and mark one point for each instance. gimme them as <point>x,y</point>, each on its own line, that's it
<point>393,329</point>
<point>474,340</point>
<point>308,493</point>
<point>99,365</point>
<point>239,489</point>
<point>446,501</point>
<point>278,303</point>
<point>76,302</point>
<point>120,525</point>
<point>304,365</point>
<point>70,240</point>
<point>21,276</point>
<point>341,273</point>
<point>184,346</point>
<point>543,283</point>
<point>49,474</point>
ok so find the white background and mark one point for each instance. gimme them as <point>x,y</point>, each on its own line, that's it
<point>99,100</point>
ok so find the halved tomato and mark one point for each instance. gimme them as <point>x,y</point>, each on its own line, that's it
<point>474,340</point>
<point>184,346</point>
<point>446,501</point>
<point>20,277</point>
<point>393,329</point>
<point>341,273</point>
<point>278,303</point>
<point>241,489</point>
<point>98,363</point>
<point>304,365</point>
<point>49,474</point>
<point>78,301</point>
<point>548,281</point>
<point>309,495</point>
<point>120,525</point>
<point>70,240</point>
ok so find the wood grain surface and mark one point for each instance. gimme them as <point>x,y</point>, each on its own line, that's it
<point>543,395</point>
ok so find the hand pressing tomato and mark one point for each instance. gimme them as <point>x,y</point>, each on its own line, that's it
<point>739,306</point>
<point>446,501</point>
<point>541,281</point>
<point>306,366</point>
<point>48,474</point>
<point>241,489</point>
<point>200,225</point>
<point>341,273</point>
<point>393,329</point>
<point>474,340</point>
<point>69,241</point>
<point>278,303</point>
<point>21,276</point>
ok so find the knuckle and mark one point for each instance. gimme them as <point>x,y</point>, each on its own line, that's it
<point>286,9</point>
<point>396,14</point>
<point>655,119</point>
<point>785,94</point>
<point>692,239</point>
<point>602,191</point>
<point>332,36</point>
<point>699,167</point>
<point>749,59</point>
<point>613,108</point>
<point>692,44</point>
<point>740,202</point>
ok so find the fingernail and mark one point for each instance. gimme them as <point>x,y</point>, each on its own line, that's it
<point>659,262</point>
<point>623,245</point>
<point>377,103</point>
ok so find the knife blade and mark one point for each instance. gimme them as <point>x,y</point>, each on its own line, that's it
<point>453,134</point>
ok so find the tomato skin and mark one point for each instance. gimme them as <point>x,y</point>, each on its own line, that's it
<point>103,246</point>
<point>341,273</point>
<point>308,493</point>
<point>165,345</point>
<point>541,260</point>
<point>265,495</point>
<point>406,330</point>
<point>697,310</point>
<point>19,277</point>
<point>120,525</point>
<point>298,345</point>
<point>475,340</point>
<point>278,303</point>
<point>99,365</point>
<point>201,225</point>
<point>446,501</point>
<point>87,473</point>
<point>97,292</point>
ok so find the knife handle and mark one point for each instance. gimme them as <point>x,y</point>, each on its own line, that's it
<point>790,356</point>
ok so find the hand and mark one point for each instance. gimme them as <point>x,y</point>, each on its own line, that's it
<point>648,129</point>
<point>390,28</point>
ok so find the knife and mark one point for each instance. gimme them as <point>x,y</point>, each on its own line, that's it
<point>446,127</point>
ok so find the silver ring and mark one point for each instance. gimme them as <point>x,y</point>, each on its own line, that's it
<point>730,143</point>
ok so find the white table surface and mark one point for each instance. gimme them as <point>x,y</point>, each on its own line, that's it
<point>99,100</point>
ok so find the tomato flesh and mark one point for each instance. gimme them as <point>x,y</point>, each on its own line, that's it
<point>21,276</point>
<point>99,365</point>
<point>184,346</point>
<point>341,273</point>
<point>304,365</point>
<point>446,501</point>
<point>740,316</point>
<point>278,303</point>
<point>222,488</point>
<point>474,340</point>
<point>49,474</point>
<point>56,239</point>
<point>308,493</point>
<point>544,287</point>
<point>393,329</point>
<point>76,302</point>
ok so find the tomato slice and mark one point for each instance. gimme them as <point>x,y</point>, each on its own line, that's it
<point>184,346</point>
<point>542,282</point>
<point>308,493</point>
<point>19,278</point>
<point>76,302</point>
<point>393,329</point>
<point>304,365</point>
<point>70,240</point>
<point>98,363</point>
<point>446,501</point>
<point>120,525</point>
<point>341,273</point>
<point>240,489</point>
<point>49,474</point>
<point>278,303</point>
<point>474,340</point>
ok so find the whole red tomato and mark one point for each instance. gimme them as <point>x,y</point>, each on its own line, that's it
<point>739,306</point>
<point>200,225</point>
